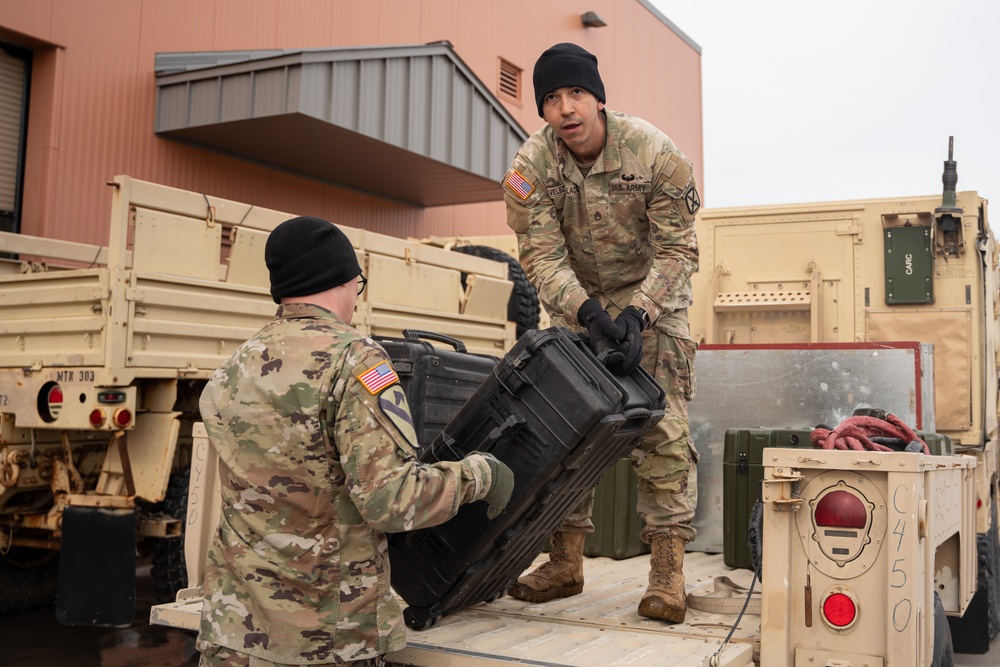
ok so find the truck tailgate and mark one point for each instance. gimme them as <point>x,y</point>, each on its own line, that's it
<point>57,316</point>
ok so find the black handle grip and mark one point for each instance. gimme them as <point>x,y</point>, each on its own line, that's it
<point>635,418</point>
<point>430,335</point>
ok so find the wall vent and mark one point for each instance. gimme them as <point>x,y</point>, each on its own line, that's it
<point>510,80</point>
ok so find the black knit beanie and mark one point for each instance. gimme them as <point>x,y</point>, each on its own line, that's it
<point>308,255</point>
<point>566,65</point>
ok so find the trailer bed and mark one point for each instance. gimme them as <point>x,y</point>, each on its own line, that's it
<point>599,627</point>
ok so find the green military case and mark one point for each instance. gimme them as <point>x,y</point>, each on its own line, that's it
<point>743,470</point>
<point>616,523</point>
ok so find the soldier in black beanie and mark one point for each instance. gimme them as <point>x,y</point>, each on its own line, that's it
<point>603,205</point>
<point>565,65</point>
<point>318,461</point>
<point>307,255</point>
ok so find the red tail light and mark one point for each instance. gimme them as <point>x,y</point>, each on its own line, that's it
<point>840,509</point>
<point>50,401</point>
<point>839,610</point>
<point>97,418</point>
<point>123,417</point>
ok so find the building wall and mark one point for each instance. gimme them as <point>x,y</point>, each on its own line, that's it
<point>93,95</point>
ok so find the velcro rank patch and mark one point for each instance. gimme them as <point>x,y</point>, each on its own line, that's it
<point>678,172</point>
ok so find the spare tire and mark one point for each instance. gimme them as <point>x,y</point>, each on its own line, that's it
<point>169,568</point>
<point>522,308</point>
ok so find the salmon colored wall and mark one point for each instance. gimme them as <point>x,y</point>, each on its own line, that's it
<point>93,96</point>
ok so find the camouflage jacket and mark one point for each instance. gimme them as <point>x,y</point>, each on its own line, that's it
<point>315,443</point>
<point>623,234</point>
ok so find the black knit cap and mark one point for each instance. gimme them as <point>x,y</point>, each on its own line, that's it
<point>308,255</point>
<point>565,65</point>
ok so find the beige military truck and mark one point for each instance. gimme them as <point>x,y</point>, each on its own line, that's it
<point>104,352</point>
<point>903,269</point>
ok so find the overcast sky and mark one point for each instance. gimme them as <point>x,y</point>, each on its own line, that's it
<point>815,100</point>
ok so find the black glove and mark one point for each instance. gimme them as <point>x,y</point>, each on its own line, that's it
<point>501,486</point>
<point>630,351</point>
<point>604,334</point>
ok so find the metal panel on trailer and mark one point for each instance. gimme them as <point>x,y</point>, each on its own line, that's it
<point>796,386</point>
<point>56,316</point>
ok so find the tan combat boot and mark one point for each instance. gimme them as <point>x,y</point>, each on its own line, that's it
<point>560,576</point>
<point>665,597</point>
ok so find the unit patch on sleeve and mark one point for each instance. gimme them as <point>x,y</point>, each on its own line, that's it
<point>515,181</point>
<point>692,200</point>
<point>377,378</point>
<point>393,404</point>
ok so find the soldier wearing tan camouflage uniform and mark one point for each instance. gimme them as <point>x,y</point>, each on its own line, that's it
<point>603,205</point>
<point>316,448</point>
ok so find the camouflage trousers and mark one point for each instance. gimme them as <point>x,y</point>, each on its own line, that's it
<point>221,656</point>
<point>665,462</point>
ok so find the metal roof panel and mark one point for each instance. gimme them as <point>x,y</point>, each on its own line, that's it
<point>411,123</point>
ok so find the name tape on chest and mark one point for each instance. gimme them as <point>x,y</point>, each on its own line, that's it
<point>378,377</point>
<point>563,189</point>
<point>516,182</point>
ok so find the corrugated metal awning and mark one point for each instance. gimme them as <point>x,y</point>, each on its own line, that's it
<point>411,123</point>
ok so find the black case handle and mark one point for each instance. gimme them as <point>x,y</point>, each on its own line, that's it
<point>417,334</point>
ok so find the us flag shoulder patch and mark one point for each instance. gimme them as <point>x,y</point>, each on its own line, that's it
<point>377,378</point>
<point>515,181</point>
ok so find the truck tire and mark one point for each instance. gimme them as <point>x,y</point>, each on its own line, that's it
<point>991,553</point>
<point>28,578</point>
<point>973,632</point>
<point>522,308</point>
<point>755,539</point>
<point>944,651</point>
<point>169,569</point>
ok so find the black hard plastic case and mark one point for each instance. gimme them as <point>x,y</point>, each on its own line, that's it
<point>560,420</point>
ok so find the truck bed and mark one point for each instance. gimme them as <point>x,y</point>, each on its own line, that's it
<point>599,627</point>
